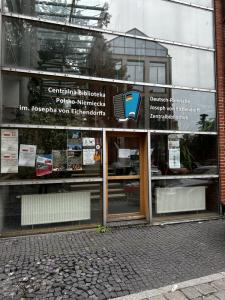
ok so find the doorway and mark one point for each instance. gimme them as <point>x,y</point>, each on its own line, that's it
<point>127,176</point>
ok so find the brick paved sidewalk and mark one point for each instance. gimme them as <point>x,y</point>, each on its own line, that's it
<point>210,287</point>
<point>90,265</point>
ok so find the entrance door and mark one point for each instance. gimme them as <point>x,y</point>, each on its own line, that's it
<point>127,178</point>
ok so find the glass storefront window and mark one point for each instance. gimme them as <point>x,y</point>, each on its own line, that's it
<point>184,198</point>
<point>44,47</point>
<point>153,69</point>
<point>123,156</point>
<point>50,154</point>
<point>191,67</point>
<point>123,196</point>
<point>158,75</point>
<point>154,19</point>
<point>53,101</point>
<point>204,3</point>
<point>183,154</point>
<point>183,110</point>
<point>33,207</point>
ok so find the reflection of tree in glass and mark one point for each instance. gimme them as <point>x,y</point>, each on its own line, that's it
<point>101,62</point>
<point>185,153</point>
<point>67,51</point>
<point>46,141</point>
<point>74,11</point>
<point>206,125</point>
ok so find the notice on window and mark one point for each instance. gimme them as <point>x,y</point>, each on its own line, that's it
<point>27,155</point>
<point>88,157</point>
<point>173,141</point>
<point>88,142</point>
<point>74,160</point>
<point>9,151</point>
<point>59,160</point>
<point>44,164</point>
<point>124,153</point>
<point>174,158</point>
<point>74,140</point>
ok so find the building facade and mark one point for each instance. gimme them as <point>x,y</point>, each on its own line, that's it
<point>110,111</point>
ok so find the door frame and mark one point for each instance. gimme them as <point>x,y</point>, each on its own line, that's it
<point>143,177</point>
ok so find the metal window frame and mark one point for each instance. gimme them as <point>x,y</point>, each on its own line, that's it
<point>101,129</point>
<point>34,126</point>
<point>50,181</point>
<point>106,31</point>
<point>170,177</point>
<point>150,208</point>
<point>26,72</point>
<point>191,5</point>
<point>104,163</point>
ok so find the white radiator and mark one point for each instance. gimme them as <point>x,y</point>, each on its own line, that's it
<point>180,199</point>
<point>54,208</point>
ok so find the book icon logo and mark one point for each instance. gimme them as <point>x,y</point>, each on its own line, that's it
<point>126,105</point>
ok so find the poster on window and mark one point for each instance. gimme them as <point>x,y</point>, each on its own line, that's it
<point>88,142</point>
<point>88,157</point>
<point>173,141</point>
<point>9,151</point>
<point>59,158</point>
<point>9,163</point>
<point>44,164</point>
<point>174,158</point>
<point>124,153</point>
<point>74,160</point>
<point>74,140</point>
<point>27,155</point>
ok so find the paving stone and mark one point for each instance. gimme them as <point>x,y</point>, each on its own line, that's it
<point>210,297</point>
<point>177,295</point>
<point>219,284</point>
<point>191,292</point>
<point>220,295</point>
<point>160,297</point>
<point>205,288</point>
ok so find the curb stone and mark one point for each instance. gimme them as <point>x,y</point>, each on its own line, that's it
<point>177,286</point>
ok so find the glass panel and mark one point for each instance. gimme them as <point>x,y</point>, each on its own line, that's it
<point>52,101</point>
<point>184,199</point>
<point>158,75</point>
<point>205,3</point>
<point>123,156</point>
<point>191,67</point>
<point>55,205</point>
<point>183,154</point>
<point>95,54</point>
<point>179,21</point>
<point>183,24</point>
<point>135,71</point>
<point>123,196</point>
<point>183,110</point>
<point>51,154</point>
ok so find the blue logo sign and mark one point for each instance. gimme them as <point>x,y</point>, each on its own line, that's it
<point>126,106</point>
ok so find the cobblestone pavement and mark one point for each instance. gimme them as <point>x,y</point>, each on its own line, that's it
<point>211,287</point>
<point>91,265</point>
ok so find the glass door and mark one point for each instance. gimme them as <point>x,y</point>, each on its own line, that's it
<point>127,176</point>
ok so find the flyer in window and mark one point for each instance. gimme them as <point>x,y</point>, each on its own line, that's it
<point>9,163</point>
<point>9,150</point>
<point>74,141</point>
<point>27,155</point>
<point>44,164</point>
<point>88,142</point>
<point>59,158</point>
<point>74,160</point>
<point>174,158</point>
<point>124,153</point>
<point>88,156</point>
